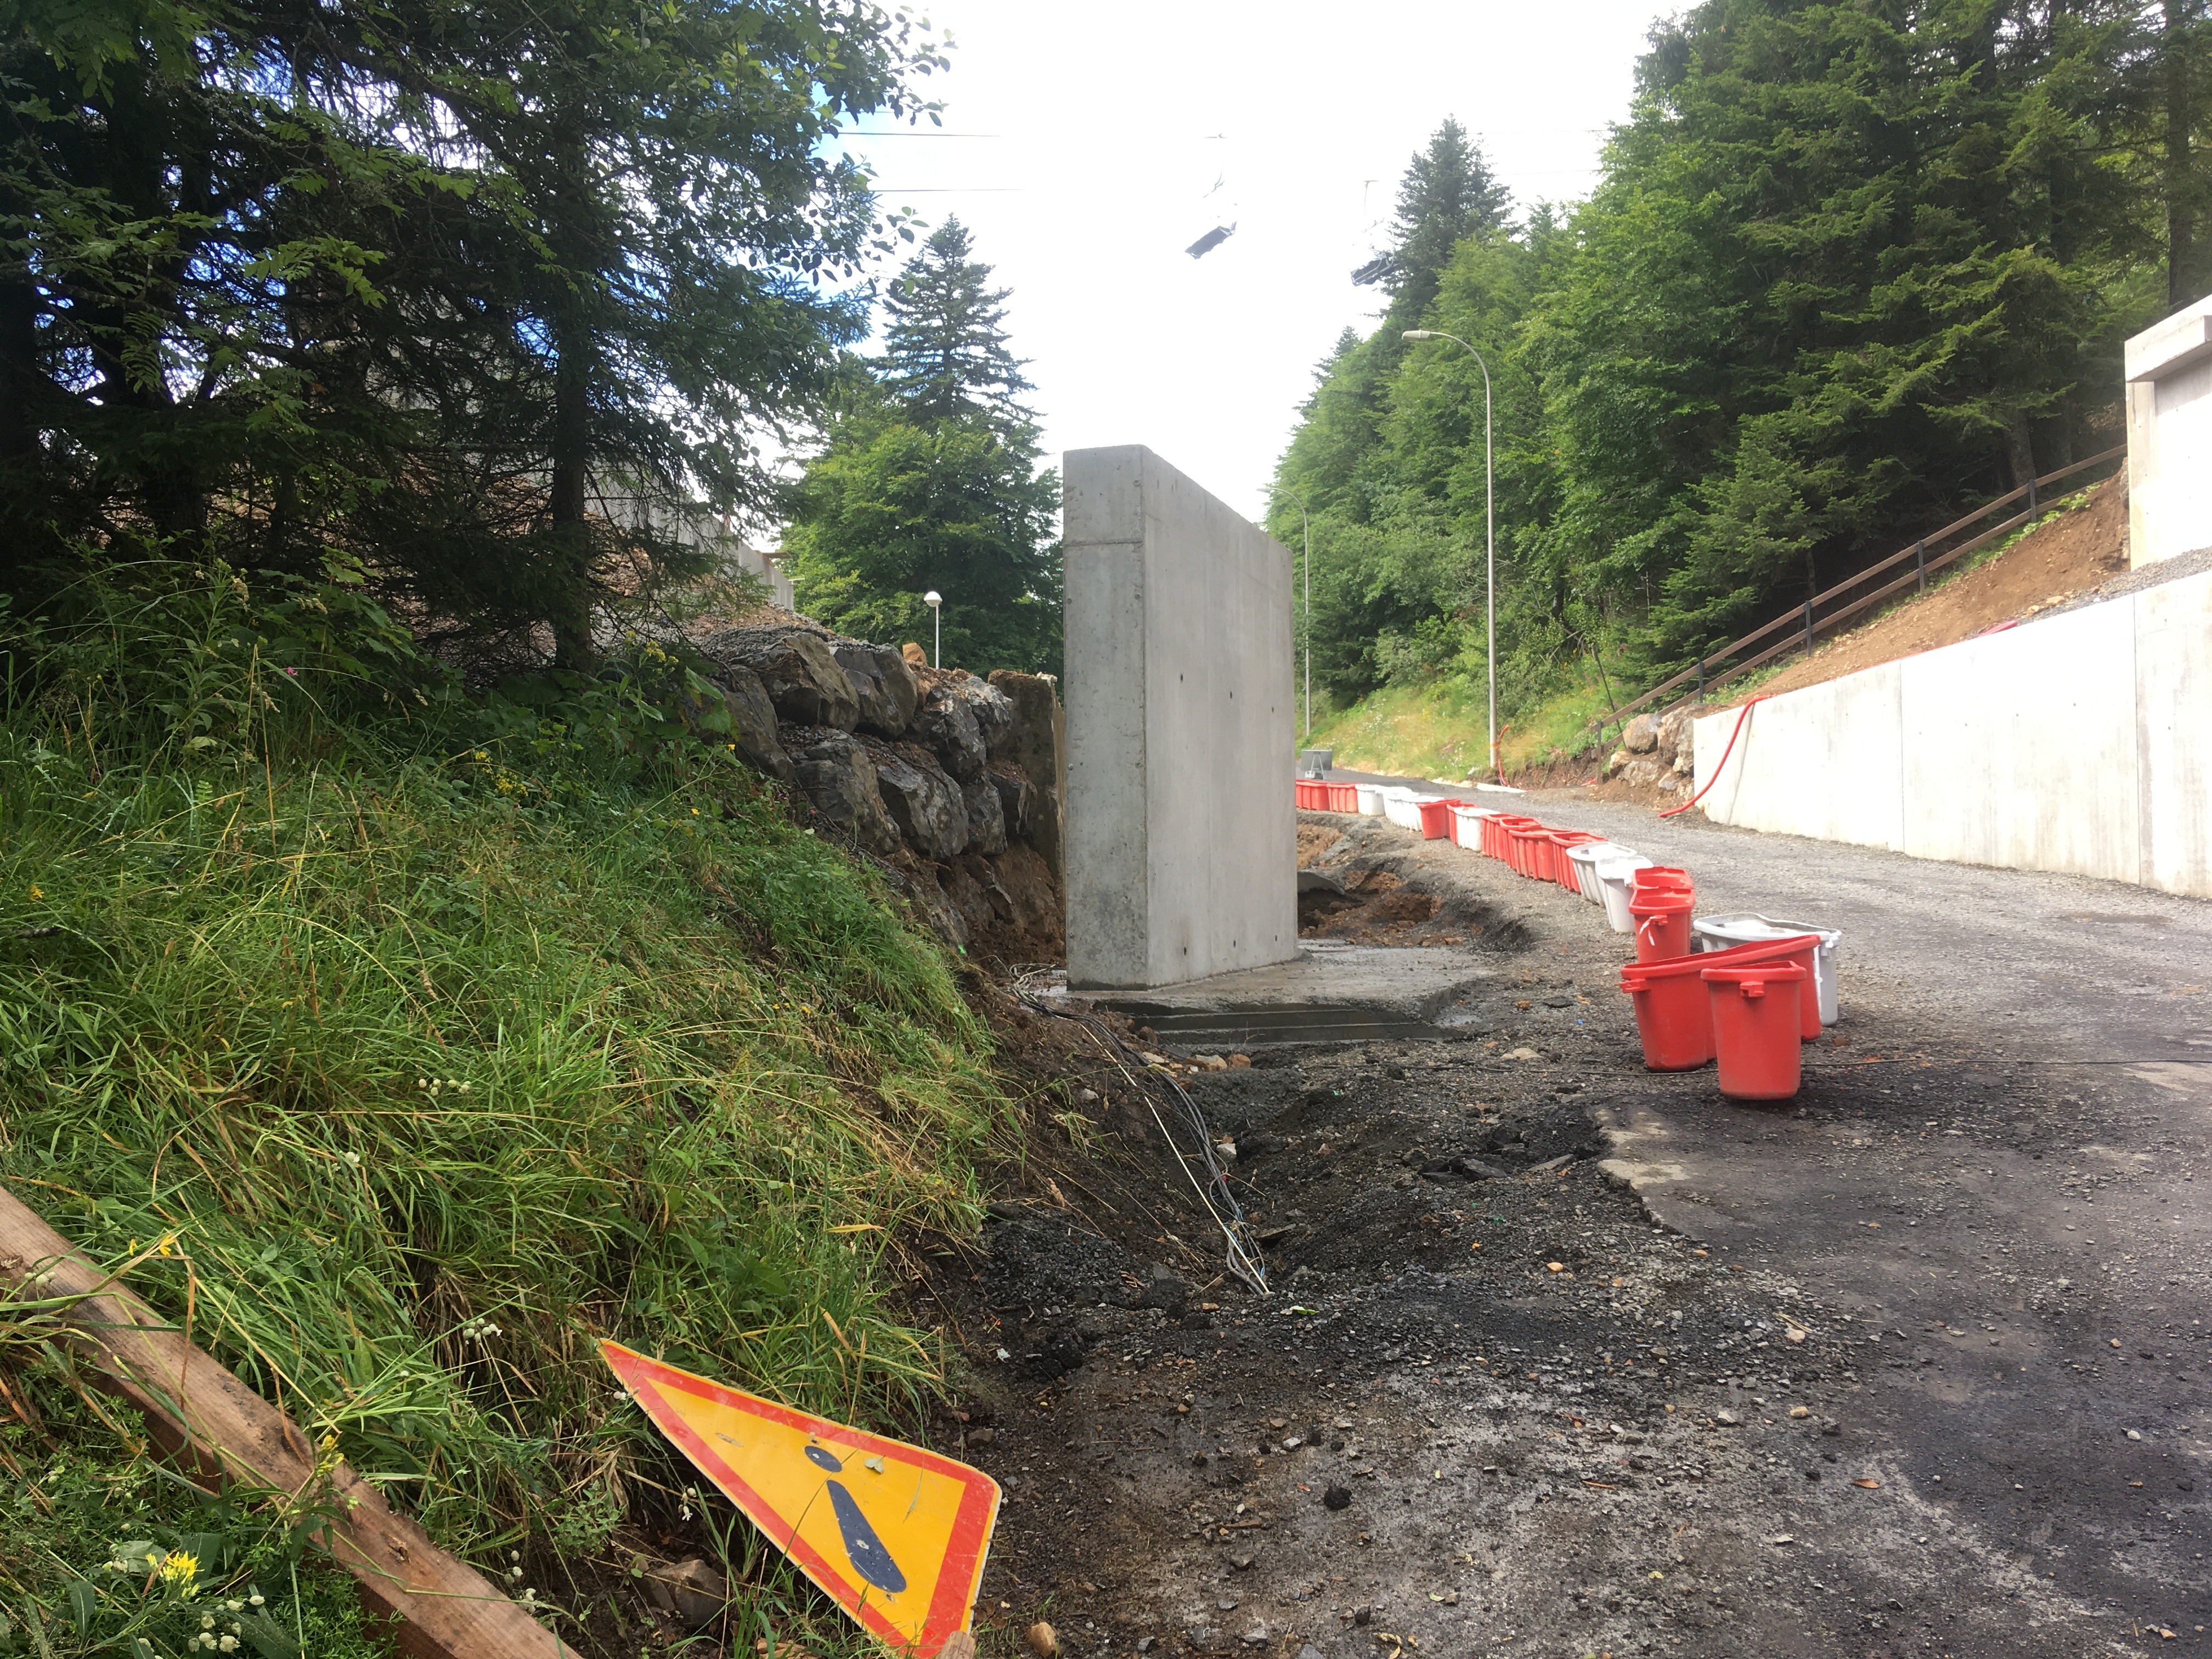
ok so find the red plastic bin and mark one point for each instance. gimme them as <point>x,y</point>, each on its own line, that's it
<point>1674,1011</point>
<point>1498,835</point>
<point>1562,867</point>
<point>1663,924</point>
<point>1756,1014</point>
<point>1529,843</point>
<point>1343,797</point>
<point>1436,819</point>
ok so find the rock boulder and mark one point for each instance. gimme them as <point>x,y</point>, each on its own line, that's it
<point>986,819</point>
<point>796,669</point>
<point>927,807</point>
<point>947,722</point>
<point>885,686</point>
<point>752,722</point>
<point>1641,735</point>
<point>838,776</point>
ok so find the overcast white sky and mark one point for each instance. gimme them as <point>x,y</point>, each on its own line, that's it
<point>1107,138</point>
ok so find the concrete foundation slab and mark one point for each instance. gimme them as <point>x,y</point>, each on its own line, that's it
<point>1181,824</point>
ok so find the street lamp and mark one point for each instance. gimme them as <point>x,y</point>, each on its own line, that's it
<point>1277,490</point>
<point>1489,534</point>
<point>935,601</point>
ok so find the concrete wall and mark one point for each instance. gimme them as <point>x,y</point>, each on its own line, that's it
<point>1180,829</point>
<point>2077,743</point>
<point>2169,370</point>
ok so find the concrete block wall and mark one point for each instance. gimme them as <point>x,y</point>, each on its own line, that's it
<point>1180,829</point>
<point>2169,375</point>
<point>2077,743</point>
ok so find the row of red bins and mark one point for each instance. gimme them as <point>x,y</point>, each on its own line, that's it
<point>1319,795</point>
<point>1533,849</point>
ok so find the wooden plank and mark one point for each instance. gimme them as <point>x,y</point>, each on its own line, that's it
<point>219,1429</point>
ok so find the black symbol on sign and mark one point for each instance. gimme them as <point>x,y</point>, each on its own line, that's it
<point>869,1557</point>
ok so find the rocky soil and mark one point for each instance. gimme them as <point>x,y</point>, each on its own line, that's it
<point>1560,1357</point>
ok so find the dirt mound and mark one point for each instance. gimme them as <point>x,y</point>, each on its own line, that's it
<point>1360,882</point>
<point>2076,551</point>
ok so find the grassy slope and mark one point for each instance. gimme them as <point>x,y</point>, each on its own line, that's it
<point>432,1051</point>
<point>1440,730</point>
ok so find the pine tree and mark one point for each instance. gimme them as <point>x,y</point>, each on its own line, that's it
<point>945,349</point>
<point>1447,195</point>
<point>931,479</point>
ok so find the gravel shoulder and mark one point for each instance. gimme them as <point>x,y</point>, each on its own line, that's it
<point>1568,1357</point>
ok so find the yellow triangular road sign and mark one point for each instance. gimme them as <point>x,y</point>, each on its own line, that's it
<point>894,1534</point>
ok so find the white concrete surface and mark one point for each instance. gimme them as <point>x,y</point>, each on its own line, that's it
<point>2076,745</point>
<point>2169,375</point>
<point>1181,827</point>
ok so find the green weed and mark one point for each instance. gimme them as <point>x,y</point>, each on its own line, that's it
<point>440,1037</point>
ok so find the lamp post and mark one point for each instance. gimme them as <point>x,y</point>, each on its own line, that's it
<point>935,601</point>
<point>1277,490</point>
<point>1489,536</point>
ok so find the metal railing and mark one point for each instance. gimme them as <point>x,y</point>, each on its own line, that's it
<point>1805,622</point>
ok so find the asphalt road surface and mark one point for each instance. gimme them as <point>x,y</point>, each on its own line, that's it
<point>1600,1363</point>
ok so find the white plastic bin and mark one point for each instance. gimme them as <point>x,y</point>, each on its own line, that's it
<point>1613,877</point>
<point>1467,825</point>
<point>1718,933</point>
<point>1402,807</point>
<point>1586,858</point>
<point>1370,800</point>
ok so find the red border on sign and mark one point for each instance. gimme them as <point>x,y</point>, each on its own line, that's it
<point>962,1570</point>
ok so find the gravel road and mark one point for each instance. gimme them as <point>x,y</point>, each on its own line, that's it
<point>1566,1357</point>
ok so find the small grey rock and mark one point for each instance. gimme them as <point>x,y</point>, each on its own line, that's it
<point>1165,1289</point>
<point>1727,1419</point>
<point>1258,1636</point>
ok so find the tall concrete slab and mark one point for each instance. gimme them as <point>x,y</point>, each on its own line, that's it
<point>1182,833</point>
<point>2169,370</point>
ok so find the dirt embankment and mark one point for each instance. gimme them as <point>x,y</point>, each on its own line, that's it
<point>2074,552</point>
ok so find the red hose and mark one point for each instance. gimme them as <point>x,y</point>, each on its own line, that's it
<point>1677,811</point>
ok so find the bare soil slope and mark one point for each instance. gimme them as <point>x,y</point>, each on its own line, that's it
<point>2078,550</point>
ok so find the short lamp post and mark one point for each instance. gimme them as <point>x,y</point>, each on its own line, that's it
<point>1489,533</point>
<point>935,601</point>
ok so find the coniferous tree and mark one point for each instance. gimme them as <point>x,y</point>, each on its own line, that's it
<point>930,479</point>
<point>1448,194</point>
<point>1849,270</point>
<point>944,342</point>
<point>420,289</point>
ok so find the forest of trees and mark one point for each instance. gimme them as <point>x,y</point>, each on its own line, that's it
<point>407,291</point>
<point>1849,268</point>
<point>930,479</point>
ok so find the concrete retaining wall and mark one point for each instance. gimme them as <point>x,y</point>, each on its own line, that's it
<point>1180,833</point>
<point>2079,743</point>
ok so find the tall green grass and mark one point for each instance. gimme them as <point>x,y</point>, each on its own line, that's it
<point>1440,729</point>
<point>445,1036</point>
